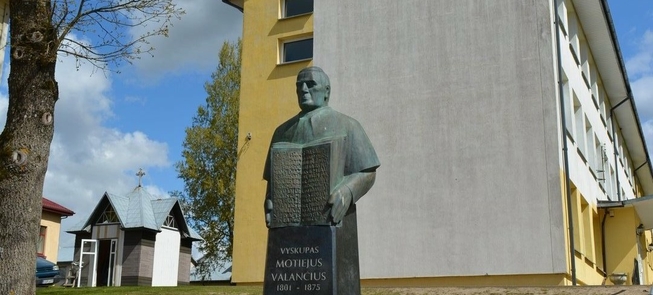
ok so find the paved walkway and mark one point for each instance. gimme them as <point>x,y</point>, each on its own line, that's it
<point>598,290</point>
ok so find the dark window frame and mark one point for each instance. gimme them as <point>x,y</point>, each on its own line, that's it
<point>295,44</point>
<point>292,8</point>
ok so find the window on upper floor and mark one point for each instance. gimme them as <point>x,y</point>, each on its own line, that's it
<point>579,120</point>
<point>290,8</point>
<point>610,191</point>
<point>40,246</point>
<point>584,59</point>
<point>574,39</point>
<point>602,106</point>
<point>599,162</point>
<point>296,50</point>
<point>562,14</point>
<point>569,108</point>
<point>588,149</point>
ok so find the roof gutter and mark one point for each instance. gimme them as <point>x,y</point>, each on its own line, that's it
<point>233,5</point>
<point>622,65</point>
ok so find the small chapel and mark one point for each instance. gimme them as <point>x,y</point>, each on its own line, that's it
<point>134,240</point>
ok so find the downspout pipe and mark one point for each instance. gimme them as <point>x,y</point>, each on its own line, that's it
<point>565,151</point>
<point>603,252</point>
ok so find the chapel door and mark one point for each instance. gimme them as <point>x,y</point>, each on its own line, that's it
<point>106,262</point>
<point>86,276</point>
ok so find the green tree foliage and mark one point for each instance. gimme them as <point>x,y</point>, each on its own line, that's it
<point>209,165</point>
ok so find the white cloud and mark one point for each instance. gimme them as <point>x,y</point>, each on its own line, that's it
<point>135,99</point>
<point>194,41</point>
<point>87,158</point>
<point>640,71</point>
<point>643,93</point>
<point>642,62</point>
<point>647,128</point>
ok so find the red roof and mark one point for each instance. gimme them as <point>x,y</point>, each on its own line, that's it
<point>56,208</point>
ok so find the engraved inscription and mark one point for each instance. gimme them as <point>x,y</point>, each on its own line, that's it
<point>286,186</point>
<point>300,261</point>
<point>315,184</point>
<point>300,184</point>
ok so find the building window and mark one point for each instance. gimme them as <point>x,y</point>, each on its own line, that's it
<point>40,247</point>
<point>574,39</point>
<point>579,129</point>
<point>296,7</point>
<point>588,149</point>
<point>108,216</point>
<point>297,50</point>
<point>600,159</point>
<point>562,16</point>
<point>566,96</point>
<point>170,222</point>
<point>601,94</point>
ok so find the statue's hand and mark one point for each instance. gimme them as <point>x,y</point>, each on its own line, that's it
<point>340,200</point>
<point>268,211</point>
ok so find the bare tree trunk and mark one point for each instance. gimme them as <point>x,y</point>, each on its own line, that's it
<point>25,141</point>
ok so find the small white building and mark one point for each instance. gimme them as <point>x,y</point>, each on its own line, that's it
<point>136,239</point>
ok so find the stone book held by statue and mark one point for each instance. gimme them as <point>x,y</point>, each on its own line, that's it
<point>303,176</point>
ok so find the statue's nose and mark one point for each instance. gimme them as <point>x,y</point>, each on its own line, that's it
<point>304,87</point>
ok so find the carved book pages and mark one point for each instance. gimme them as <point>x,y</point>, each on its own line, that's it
<point>302,178</point>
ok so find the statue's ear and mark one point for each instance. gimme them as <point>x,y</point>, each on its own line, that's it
<point>327,93</point>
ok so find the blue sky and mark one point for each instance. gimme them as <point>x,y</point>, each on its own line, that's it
<point>109,126</point>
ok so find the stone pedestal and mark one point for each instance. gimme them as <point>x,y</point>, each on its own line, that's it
<point>316,260</point>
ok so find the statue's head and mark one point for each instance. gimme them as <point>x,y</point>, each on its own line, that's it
<point>313,88</point>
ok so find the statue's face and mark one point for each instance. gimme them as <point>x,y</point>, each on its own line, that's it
<point>311,93</point>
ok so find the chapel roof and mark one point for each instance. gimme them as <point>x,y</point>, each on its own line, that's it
<point>138,210</point>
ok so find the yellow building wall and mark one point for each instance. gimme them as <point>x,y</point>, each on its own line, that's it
<point>647,259</point>
<point>621,243</point>
<point>587,241</point>
<point>52,222</point>
<point>267,99</point>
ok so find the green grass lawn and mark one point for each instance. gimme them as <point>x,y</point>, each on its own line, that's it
<point>240,290</point>
<point>190,290</point>
<point>184,290</point>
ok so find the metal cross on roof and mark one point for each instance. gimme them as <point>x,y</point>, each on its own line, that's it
<point>140,175</point>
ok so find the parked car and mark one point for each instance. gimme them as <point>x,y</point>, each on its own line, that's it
<point>47,273</point>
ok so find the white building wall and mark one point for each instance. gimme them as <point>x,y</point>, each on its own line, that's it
<point>589,120</point>
<point>459,100</point>
<point>166,258</point>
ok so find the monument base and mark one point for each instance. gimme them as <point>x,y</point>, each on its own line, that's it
<point>313,259</point>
